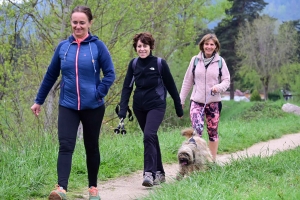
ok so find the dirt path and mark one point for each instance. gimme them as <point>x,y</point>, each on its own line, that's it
<point>130,187</point>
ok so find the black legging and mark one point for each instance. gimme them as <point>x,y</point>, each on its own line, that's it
<point>149,122</point>
<point>68,122</point>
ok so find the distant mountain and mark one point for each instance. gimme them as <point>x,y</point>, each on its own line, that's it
<point>283,10</point>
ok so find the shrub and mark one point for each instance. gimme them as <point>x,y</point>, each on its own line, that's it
<point>255,96</point>
<point>274,96</point>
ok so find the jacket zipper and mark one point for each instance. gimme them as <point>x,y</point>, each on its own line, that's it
<point>77,78</point>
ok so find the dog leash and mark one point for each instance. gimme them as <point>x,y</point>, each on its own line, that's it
<point>206,100</point>
<point>212,94</point>
<point>192,140</point>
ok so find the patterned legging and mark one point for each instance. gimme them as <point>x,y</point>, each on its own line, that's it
<point>212,115</point>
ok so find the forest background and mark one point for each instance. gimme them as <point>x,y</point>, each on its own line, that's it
<point>261,51</point>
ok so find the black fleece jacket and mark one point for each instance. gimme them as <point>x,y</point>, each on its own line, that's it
<point>149,91</point>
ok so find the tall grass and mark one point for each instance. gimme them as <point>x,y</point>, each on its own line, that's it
<point>28,167</point>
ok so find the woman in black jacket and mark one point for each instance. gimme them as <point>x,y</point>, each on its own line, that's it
<point>152,79</point>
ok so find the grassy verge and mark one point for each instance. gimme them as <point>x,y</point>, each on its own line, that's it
<point>276,177</point>
<point>30,168</point>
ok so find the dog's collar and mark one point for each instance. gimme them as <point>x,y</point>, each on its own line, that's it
<point>192,140</point>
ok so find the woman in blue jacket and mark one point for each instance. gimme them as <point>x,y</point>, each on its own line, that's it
<point>153,79</point>
<point>79,59</point>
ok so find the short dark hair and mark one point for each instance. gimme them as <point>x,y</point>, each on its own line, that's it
<point>144,37</point>
<point>209,36</point>
<point>84,9</point>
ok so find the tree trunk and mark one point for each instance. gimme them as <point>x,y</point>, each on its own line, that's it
<point>265,83</point>
<point>231,89</point>
<point>266,88</point>
<point>50,106</point>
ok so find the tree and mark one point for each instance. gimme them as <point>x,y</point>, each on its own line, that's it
<point>227,31</point>
<point>296,24</point>
<point>265,49</point>
<point>32,30</point>
<point>289,79</point>
<point>13,64</point>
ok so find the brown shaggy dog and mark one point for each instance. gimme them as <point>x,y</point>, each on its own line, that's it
<point>193,155</point>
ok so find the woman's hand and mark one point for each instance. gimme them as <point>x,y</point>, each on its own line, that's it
<point>182,105</point>
<point>214,89</point>
<point>36,109</point>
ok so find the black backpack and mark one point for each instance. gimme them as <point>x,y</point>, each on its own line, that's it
<point>117,109</point>
<point>134,66</point>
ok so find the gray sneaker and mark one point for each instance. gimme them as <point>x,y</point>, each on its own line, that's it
<point>148,179</point>
<point>159,178</point>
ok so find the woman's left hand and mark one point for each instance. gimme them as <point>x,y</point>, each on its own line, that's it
<point>214,89</point>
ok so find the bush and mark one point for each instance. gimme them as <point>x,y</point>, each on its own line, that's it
<point>255,96</point>
<point>274,96</point>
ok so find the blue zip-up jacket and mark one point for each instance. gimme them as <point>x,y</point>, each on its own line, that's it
<point>79,63</point>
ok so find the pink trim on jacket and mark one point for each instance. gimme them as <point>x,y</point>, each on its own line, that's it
<point>205,79</point>
<point>78,41</point>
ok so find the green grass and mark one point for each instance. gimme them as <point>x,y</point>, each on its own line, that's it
<point>232,109</point>
<point>276,177</point>
<point>28,165</point>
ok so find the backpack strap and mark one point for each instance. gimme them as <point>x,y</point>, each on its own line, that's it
<point>133,68</point>
<point>194,67</point>
<point>159,64</point>
<point>220,68</point>
<point>220,63</point>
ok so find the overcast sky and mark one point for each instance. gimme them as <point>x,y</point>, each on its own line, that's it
<point>284,10</point>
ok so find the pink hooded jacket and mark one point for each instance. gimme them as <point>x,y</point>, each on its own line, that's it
<point>205,79</point>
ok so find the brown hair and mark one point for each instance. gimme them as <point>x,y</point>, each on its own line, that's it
<point>207,37</point>
<point>84,9</point>
<point>145,38</point>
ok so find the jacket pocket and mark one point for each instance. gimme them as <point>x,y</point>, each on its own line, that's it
<point>97,95</point>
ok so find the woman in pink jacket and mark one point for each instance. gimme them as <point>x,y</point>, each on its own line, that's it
<point>208,75</point>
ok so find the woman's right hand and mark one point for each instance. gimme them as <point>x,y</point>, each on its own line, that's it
<point>182,106</point>
<point>36,109</point>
